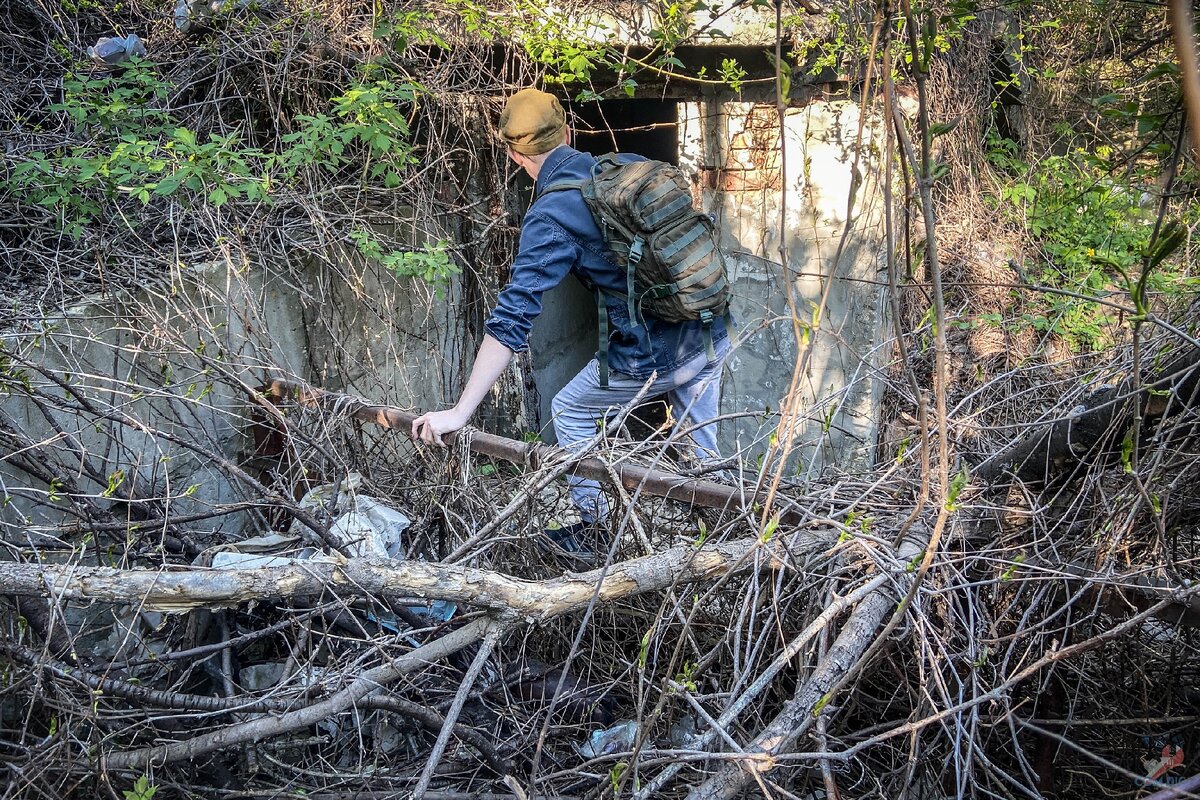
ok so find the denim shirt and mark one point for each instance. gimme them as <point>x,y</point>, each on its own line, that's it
<point>560,236</point>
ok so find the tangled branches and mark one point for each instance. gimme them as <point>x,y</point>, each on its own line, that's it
<point>193,596</point>
<point>1052,631</point>
<point>277,134</point>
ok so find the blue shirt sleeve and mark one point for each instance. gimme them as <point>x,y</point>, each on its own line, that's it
<point>545,255</point>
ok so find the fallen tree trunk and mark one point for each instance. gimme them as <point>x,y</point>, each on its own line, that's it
<point>1098,425</point>
<point>811,696</point>
<point>189,588</point>
<point>633,477</point>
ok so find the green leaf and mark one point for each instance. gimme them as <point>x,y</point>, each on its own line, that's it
<point>1169,240</point>
<point>1163,68</point>
<point>940,128</point>
<point>1149,123</point>
<point>1012,568</point>
<point>769,531</point>
<point>644,649</point>
<point>982,658</point>
<point>142,790</point>
<point>1127,453</point>
<point>614,775</point>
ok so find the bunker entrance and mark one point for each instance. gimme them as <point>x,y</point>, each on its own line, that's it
<point>647,127</point>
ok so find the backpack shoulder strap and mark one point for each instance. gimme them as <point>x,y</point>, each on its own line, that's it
<point>606,161</point>
<point>562,186</point>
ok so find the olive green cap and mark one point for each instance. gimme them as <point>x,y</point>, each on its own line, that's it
<point>533,122</point>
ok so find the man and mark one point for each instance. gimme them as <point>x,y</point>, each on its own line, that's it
<point>559,236</point>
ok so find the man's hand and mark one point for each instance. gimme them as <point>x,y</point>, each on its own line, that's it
<point>493,357</point>
<point>431,426</point>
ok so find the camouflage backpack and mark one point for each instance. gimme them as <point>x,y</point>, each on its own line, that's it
<point>674,269</point>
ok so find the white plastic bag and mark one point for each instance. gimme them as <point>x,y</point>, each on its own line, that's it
<point>364,526</point>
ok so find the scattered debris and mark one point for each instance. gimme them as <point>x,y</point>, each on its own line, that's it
<point>113,51</point>
<point>260,677</point>
<point>617,739</point>
<point>367,527</point>
<point>194,13</point>
<point>233,559</point>
<point>622,736</point>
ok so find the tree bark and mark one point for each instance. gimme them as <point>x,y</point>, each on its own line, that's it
<point>1183,29</point>
<point>1095,428</point>
<point>175,590</point>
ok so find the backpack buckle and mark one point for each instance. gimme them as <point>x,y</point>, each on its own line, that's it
<point>635,251</point>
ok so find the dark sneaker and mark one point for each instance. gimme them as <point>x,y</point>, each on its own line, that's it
<point>571,543</point>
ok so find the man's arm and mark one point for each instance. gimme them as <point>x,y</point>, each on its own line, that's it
<point>544,258</point>
<point>493,358</point>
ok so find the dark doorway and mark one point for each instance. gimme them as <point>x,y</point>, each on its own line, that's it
<point>649,128</point>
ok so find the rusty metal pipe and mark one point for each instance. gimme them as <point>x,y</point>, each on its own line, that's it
<point>634,478</point>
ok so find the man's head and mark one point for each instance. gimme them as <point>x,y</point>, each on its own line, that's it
<point>532,124</point>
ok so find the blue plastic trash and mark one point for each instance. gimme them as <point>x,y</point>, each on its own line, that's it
<point>111,51</point>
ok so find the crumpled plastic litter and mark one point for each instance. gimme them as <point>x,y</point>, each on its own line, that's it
<point>620,737</point>
<point>193,12</point>
<point>617,739</point>
<point>233,559</point>
<point>111,51</point>
<point>682,731</point>
<point>366,527</point>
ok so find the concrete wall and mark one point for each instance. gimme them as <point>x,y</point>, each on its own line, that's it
<point>393,340</point>
<point>144,368</point>
<point>172,363</point>
<point>808,198</point>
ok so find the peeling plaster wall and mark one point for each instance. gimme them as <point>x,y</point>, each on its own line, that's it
<point>797,195</point>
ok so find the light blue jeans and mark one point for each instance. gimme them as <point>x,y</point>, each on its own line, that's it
<point>693,388</point>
